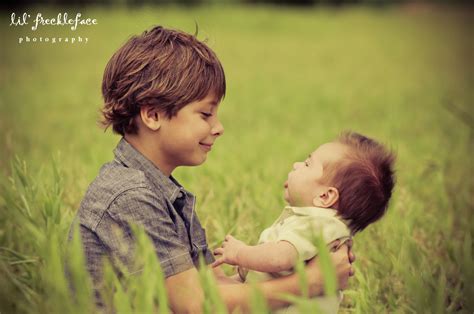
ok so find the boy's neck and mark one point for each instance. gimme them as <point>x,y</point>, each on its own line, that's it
<point>147,149</point>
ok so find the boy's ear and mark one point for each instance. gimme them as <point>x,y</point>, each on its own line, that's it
<point>151,117</point>
<point>326,198</point>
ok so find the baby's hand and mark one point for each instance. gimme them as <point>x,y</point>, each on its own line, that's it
<point>229,251</point>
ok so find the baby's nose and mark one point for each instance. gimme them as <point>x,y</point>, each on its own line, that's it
<point>296,165</point>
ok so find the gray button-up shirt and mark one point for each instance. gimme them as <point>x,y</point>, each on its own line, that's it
<point>132,189</point>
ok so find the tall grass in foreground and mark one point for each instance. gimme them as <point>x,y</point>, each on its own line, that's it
<point>48,274</point>
<point>34,265</point>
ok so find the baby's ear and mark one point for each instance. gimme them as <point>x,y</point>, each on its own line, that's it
<point>151,117</point>
<point>326,198</point>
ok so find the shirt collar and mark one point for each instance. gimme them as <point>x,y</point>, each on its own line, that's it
<point>316,211</point>
<point>126,154</point>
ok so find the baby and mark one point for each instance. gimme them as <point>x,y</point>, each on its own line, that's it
<point>341,188</point>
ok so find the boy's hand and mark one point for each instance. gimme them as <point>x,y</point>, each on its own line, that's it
<point>342,260</point>
<point>228,252</point>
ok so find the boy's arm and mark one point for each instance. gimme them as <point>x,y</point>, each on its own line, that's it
<point>238,295</point>
<point>267,257</point>
<point>222,278</point>
<point>186,296</point>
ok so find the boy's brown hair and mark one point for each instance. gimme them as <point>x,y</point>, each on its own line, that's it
<point>365,179</point>
<point>162,68</point>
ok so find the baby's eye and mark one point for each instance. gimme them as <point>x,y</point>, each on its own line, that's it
<point>206,114</point>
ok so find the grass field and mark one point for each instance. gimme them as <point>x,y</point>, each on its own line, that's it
<point>296,78</point>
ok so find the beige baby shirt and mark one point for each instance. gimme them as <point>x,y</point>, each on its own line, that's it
<point>299,226</point>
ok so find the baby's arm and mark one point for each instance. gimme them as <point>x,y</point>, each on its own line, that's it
<point>267,257</point>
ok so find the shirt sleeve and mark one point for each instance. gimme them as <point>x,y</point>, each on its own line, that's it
<point>199,242</point>
<point>301,232</point>
<point>142,207</point>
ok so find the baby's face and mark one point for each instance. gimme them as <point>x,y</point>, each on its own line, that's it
<point>304,182</point>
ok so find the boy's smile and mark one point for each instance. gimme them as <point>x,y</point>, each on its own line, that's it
<point>206,146</point>
<point>185,139</point>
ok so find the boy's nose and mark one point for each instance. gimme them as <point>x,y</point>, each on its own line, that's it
<point>218,128</point>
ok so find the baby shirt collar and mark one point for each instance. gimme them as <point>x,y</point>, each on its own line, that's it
<point>315,212</point>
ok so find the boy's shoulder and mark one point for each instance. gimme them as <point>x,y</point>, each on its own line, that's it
<point>113,180</point>
<point>127,183</point>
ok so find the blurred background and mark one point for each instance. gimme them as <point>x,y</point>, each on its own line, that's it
<point>298,73</point>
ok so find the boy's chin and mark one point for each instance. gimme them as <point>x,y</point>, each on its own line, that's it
<point>196,161</point>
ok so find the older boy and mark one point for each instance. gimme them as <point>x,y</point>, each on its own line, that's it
<point>340,189</point>
<point>162,91</point>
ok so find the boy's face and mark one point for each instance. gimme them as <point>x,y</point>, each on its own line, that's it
<point>186,138</point>
<point>304,183</point>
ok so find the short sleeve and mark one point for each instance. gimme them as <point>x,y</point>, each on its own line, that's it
<point>301,231</point>
<point>142,207</point>
<point>200,245</point>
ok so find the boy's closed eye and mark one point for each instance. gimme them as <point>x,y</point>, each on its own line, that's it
<point>206,114</point>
